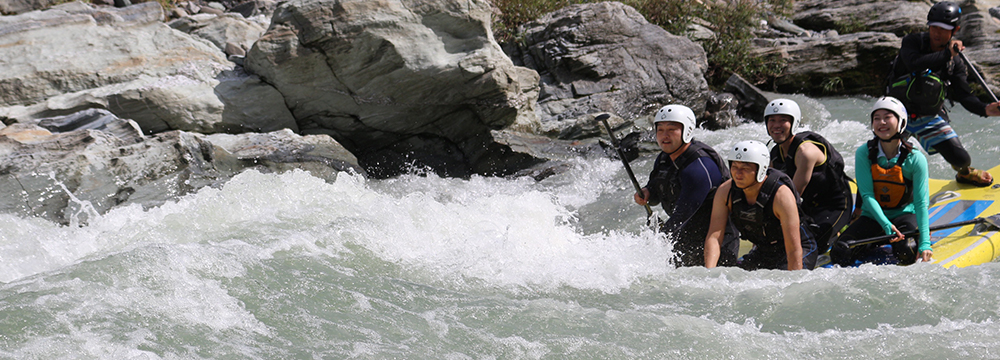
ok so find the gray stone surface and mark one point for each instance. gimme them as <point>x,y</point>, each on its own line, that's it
<point>398,81</point>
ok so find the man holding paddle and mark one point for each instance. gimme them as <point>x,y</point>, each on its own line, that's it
<point>925,72</point>
<point>684,179</point>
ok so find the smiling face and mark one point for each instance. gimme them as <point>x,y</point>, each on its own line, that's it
<point>668,136</point>
<point>779,127</point>
<point>744,173</point>
<point>885,124</point>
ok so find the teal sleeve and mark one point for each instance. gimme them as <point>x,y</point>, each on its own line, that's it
<point>916,168</point>
<point>863,176</point>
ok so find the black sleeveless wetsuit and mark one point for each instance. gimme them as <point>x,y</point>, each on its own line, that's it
<point>758,224</point>
<point>827,198</point>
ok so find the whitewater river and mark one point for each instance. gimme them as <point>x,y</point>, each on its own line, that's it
<point>421,267</point>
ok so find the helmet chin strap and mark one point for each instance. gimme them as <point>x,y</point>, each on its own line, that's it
<point>679,148</point>
<point>789,137</point>
<point>898,136</point>
<point>745,187</point>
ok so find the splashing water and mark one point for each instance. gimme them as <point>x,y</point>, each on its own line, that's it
<point>289,266</point>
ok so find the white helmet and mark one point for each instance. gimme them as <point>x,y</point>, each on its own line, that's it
<point>895,106</point>
<point>784,107</point>
<point>679,114</point>
<point>752,152</point>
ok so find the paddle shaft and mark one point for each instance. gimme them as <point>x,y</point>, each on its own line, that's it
<point>978,76</point>
<point>877,239</point>
<point>603,118</point>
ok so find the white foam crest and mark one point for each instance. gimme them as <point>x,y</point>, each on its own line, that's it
<point>176,285</point>
<point>502,231</point>
<point>30,245</point>
<point>81,344</point>
<point>505,234</point>
<point>249,206</point>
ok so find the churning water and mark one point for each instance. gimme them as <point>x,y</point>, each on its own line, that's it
<point>421,267</point>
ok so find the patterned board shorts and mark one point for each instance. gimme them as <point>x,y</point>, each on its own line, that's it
<point>930,131</point>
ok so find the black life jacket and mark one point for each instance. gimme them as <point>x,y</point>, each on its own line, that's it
<point>891,189</point>
<point>922,91</point>
<point>748,218</point>
<point>829,186</point>
<point>668,180</point>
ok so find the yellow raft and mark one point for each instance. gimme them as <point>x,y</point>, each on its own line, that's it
<point>952,202</point>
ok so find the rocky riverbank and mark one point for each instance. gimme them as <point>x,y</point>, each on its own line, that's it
<point>116,104</point>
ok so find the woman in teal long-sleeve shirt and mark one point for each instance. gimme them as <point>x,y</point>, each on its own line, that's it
<point>892,180</point>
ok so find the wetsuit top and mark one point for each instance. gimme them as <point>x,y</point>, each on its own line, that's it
<point>686,184</point>
<point>757,222</point>
<point>914,170</point>
<point>829,186</point>
<point>915,55</point>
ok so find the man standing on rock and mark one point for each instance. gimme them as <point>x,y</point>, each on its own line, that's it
<point>816,168</point>
<point>925,72</point>
<point>684,179</point>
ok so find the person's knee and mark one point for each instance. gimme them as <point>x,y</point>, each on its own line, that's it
<point>954,154</point>
<point>840,253</point>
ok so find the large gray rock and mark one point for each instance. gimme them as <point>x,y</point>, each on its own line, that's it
<point>73,57</point>
<point>830,63</point>
<point>74,47</point>
<point>11,7</point>
<point>221,29</point>
<point>101,162</point>
<point>980,33</point>
<point>827,69</point>
<point>605,57</point>
<point>897,17</point>
<point>398,81</point>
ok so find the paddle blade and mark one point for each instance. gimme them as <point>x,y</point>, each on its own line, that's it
<point>990,223</point>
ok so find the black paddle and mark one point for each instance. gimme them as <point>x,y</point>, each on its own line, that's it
<point>603,118</point>
<point>992,221</point>
<point>978,76</point>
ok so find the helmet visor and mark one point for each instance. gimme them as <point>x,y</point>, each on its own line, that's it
<point>941,25</point>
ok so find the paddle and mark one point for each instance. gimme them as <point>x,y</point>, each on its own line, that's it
<point>603,118</point>
<point>976,71</point>
<point>992,221</point>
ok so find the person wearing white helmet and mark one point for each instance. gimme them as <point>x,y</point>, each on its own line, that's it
<point>816,169</point>
<point>926,71</point>
<point>899,202</point>
<point>765,209</point>
<point>684,178</point>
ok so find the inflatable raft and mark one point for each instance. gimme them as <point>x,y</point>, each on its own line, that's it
<point>960,246</point>
<point>967,245</point>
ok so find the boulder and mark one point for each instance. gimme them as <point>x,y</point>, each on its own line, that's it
<point>605,57</point>
<point>399,82</point>
<point>897,17</point>
<point>72,47</point>
<point>74,57</point>
<point>72,168</point>
<point>220,30</point>
<point>253,8</point>
<point>830,63</point>
<point>751,100</point>
<point>980,33</point>
<point>12,7</point>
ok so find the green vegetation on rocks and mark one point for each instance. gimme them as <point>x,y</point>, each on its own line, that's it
<point>734,23</point>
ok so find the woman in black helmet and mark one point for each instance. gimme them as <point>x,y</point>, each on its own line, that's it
<point>933,53</point>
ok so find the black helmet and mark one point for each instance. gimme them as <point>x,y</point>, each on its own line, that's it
<point>944,13</point>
